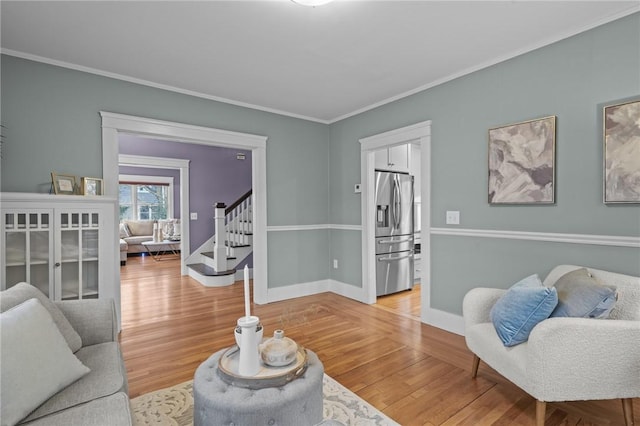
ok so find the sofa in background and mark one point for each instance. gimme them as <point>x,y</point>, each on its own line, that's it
<point>77,335</point>
<point>565,358</point>
<point>124,247</point>
<point>134,232</point>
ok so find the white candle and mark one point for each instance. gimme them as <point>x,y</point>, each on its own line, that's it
<point>247,311</point>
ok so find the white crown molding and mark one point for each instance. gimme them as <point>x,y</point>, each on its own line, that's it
<point>495,61</point>
<point>148,83</point>
<point>445,79</point>
<point>600,240</point>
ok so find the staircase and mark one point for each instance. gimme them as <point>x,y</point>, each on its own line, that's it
<point>214,263</point>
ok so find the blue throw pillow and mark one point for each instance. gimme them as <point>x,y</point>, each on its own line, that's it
<point>521,308</point>
<point>580,295</point>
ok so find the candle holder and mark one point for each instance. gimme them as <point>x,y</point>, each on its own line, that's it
<point>248,336</point>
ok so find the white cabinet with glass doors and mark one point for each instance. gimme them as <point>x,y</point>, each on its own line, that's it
<point>64,245</point>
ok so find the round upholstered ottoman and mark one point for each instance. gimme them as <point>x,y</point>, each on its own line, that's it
<point>216,403</point>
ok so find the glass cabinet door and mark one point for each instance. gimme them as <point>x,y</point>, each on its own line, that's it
<point>79,261</point>
<point>90,250</point>
<point>28,249</point>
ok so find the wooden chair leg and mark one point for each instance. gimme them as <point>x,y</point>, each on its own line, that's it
<point>474,367</point>
<point>541,407</point>
<point>627,410</point>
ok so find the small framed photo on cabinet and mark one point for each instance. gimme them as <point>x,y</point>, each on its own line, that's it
<point>63,184</point>
<point>92,186</point>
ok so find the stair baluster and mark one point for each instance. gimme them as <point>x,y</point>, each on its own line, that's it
<point>219,256</point>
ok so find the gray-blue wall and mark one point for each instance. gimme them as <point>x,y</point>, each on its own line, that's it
<point>52,123</point>
<point>571,79</point>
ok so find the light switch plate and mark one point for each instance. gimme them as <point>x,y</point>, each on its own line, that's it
<point>194,216</point>
<point>357,188</point>
<point>453,217</point>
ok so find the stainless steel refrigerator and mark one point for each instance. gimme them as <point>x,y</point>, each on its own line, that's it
<point>394,232</point>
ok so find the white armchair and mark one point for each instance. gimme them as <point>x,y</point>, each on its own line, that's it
<point>565,359</point>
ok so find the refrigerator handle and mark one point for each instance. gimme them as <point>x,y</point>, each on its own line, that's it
<point>392,241</point>
<point>397,202</point>
<point>393,204</point>
<point>393,259</point>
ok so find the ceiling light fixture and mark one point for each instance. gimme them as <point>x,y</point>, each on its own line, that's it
<point>312,3</point>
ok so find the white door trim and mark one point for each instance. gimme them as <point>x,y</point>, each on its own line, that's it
<point>113,123</point>
<point>419,133</point>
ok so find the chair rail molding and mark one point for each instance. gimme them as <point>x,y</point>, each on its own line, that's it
<point>600,240</point>
<point>328,226</point>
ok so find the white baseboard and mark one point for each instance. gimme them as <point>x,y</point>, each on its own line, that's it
<point>314,287</point>
<point>435,317</point>
<point>349,291</point>
<point>444,320</point>
<point>292,291</point>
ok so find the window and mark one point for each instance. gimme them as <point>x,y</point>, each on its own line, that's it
<point>145,201</point>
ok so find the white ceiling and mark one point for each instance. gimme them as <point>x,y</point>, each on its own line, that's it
<point>323,63</point>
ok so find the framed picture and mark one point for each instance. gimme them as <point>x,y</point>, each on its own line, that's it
<point>63,184</point>
<point>92,186</point>
<point>622,152</point>
<point>522,162</point>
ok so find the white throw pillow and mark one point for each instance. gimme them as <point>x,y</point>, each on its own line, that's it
<point>36,360</point>
<point>124,231</point>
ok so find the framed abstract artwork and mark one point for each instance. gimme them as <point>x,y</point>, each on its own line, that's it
<point>522,162</point>
<point>621,157</point>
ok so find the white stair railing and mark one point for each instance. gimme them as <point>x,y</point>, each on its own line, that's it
<point>238,224</point>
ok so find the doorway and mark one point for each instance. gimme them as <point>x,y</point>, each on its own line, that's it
<point>419,134</point>
<point>182,166</point>
<point>113,124</point>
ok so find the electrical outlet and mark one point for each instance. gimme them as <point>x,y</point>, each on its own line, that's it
<point>335,263</point>
<point>194,216</point>
<point>453,217</point>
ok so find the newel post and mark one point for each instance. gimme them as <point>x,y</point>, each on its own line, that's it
<point>219,249</point>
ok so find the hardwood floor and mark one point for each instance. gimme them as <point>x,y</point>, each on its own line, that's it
<point>414,373</point>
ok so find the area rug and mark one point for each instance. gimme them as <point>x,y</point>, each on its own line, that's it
<point>174,407</point>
